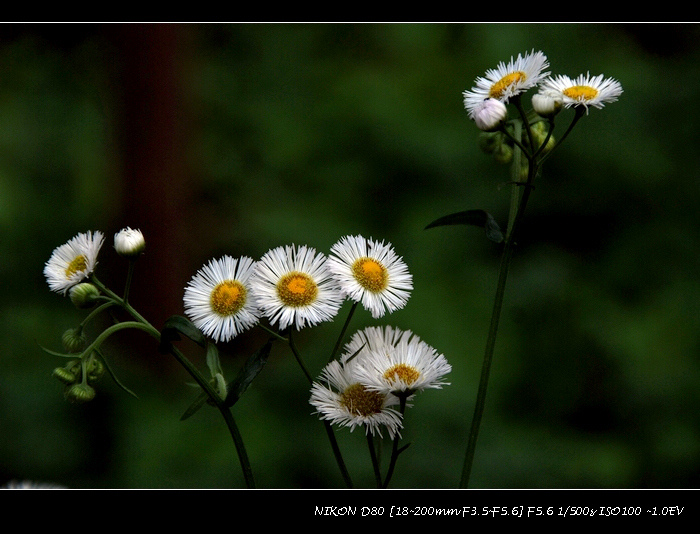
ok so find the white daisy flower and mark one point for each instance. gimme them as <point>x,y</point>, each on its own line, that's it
<point>374,339</point>
<point>507,81</point>
<point>585,90</point>
<point>129,242</point>
<point>371,272</point>
<point>218,299</point>
<point>295,287</point>
<point>73,261</point>
<point>344,401</point>
<point>399,362</point>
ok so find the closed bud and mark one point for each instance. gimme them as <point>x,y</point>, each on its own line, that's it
<point>490,114</point>
<point>129,243</point>
<point>74,340</point>
<point>504,154</point>
<point>69,374</point>
<point>545,105</point>
<point>539,134</point>
<point>79,393</point>
<point>84,295</point>
<point>95,370</point>
<point>490,142</point>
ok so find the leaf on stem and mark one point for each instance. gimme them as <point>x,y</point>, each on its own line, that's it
<point>479,218</point>
<point>250,370</point>
<point>174,327</point>
<point>114,376</point>
<point>196,405</point>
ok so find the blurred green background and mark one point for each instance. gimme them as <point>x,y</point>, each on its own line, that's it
<point>237,138</point>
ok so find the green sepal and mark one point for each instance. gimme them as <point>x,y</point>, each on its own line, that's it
<point>479,218</point>
<point>250,370</point>
<point>174,327</point>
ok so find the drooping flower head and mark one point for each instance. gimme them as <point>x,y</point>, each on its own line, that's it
<point>73,261</point>
<point>295,287</point>
<point>218,299</point>
<point>341,399</point>
<point>585,90</point>
<point>372,273</point>
<point>507,80</point>
<point>394,361</point>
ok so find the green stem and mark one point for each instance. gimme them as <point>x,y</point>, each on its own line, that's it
<point>375,460</point>
<point>127,285</point>
<point>225,411</point>
<point>338,455</point>
<point>293,347</point>
<point>506,256</point>
<point>395,445</point>
<point>329,429</point>
<point>342,332</point>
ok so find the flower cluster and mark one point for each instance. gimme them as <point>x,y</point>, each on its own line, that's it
<point>485,102</point>
<point>296,286</point>
<point>381,368</point>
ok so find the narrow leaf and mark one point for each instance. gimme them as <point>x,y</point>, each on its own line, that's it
<point>195,406</point>
<point>114,376</point>
<point>250,370</point>
<point>176,326</point>
<point>479,218</point>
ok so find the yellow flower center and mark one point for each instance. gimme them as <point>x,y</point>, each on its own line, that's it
<point>228,298</point>
<point>78,264</point>
<point>297,289</point>
<point>504,83</point>
<point>582,93</point>
<point>370,274</point>
<point>402,372</point>
<point>360,401</point>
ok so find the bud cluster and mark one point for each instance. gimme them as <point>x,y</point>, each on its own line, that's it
<point>78,376</point>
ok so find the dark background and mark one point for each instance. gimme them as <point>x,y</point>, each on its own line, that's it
<point>236,138</point>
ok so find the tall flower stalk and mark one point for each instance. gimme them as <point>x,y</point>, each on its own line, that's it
<point>525,142</point>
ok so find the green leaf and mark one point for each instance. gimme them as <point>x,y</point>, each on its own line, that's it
<point>479,218</point>
<point>114,376</point>
<point>174,327</point>
<point>213,361</point>
<point>196,405</point>
<point>250,370</point>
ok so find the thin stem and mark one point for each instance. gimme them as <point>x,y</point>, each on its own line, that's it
<point>342,332</point>
<point>375,460</point>
<point>486,365</point>
<point>506,256</point>
<point>127,285</point>
<point>329,430</point>
<point>395,446</point>
<point>293,347</point>
<point>225,411</point>
<point>338,455</point>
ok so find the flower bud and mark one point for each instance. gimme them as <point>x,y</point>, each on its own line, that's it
<point>84,295</point>
<point>489,114</point>
<point>539,134</point>
<point>79,393</point>
<point>74,340</point>
<point>95,370</point>
<point>489,142</point>
<point>545,105</point>
<point>69,374</point>
<point>129,243</point>
<point>504,154</point>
